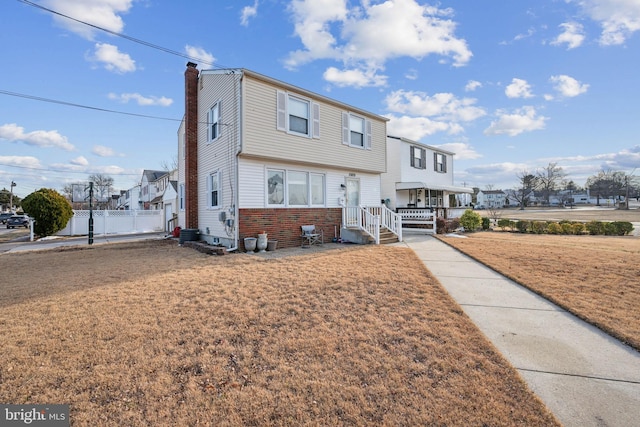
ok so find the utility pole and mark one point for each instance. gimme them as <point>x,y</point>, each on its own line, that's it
<point>13,184</point>
<point>91,213</point>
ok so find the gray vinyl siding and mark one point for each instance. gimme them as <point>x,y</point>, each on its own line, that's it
<point>263,140</point>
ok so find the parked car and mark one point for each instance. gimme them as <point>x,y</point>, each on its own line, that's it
<point>18,221</point>
<point>4,216</point>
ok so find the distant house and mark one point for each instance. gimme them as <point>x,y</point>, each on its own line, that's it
<point>152,185</point>
<point>258,154</point>
<point>420,176</point>
<point>130,199</point>
<point>491,199</point>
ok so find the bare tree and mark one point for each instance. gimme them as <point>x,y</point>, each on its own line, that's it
<point>549,179</point>
<point>102,187</point>
<point>169,165</point>
<point>527,183</point>
<point>607,184</point>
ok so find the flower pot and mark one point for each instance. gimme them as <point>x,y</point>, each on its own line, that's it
<point>262,242</point>
<point>250,244</point>
<point>271,245</point>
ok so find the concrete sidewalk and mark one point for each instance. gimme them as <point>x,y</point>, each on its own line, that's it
<point>584,376</point>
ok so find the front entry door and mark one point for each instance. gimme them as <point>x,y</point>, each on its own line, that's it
<point>353,192</point>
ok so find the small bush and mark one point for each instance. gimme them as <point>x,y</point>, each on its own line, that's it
<point>470,220</point>
<point>554,228</point>
<point>453,224</point>
<point>523,226</point>
<point>539,227</point>
<point>486,223</point>
<point>620,228</point>
<point>578,228</point>
<point>595,228</point>
<point>441,225</point>
<point>567,227</point>
<point>505,223</point>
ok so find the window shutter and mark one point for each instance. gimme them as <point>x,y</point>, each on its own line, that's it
<point>424,158</point>
<point>444,163</point>
<point>346,132</point>
<point>315,108</point>
<point>219,118</point>
<point>209,191</point>
<point>435,162</point>
<point>209,124</point>
<point>367,136</point>
<point>281,120</point>
<point>413,155</point>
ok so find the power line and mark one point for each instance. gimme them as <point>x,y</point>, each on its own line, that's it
<point>71,104</point>
<point>124,36</point>
<point>63,171</point>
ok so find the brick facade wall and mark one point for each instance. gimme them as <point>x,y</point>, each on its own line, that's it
<point>284,225</point>
<point>191,145</point>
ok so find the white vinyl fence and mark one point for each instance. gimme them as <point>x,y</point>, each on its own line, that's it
<point>114,222</point>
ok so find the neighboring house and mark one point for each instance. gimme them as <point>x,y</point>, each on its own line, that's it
<point>152,185</point>
<point>130,199</point>
<point>257,154</point>
<point>420,176</point>
<point>170,205</point>
<point>491,199</point>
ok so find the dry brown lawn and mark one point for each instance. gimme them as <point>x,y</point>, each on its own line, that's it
<point>154,334</point>
<point>595,277</point>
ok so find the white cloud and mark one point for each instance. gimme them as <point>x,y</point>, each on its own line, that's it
<point>200,55</point>
<point>573,35</point>
<point>248,12</point>
<point>462,150</point>
<point>411,74</point>
<point>354,78</point>
<point>568,86</point>
<point>38,138</point>
<point>472,85</point>
<point>416,128</point>
<point>518,89</point>
<point>619,19</point>
<point>112,59</point>
<point>441,106</point>
<point>22,161</point>
<point>102,13</point>
<point>79,161</point>
<point>522,120</point>
<point>141,100</point>
<point>102,151</point>
<point>369,35</point>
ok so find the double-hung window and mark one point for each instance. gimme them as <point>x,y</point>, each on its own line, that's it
<point>275,187</point>
<point>298,186</point>
<point>181,196</point>
<point>317,189</point>
<point>213,122</point>
<point>214,198</point>
<point>439,162</point>
<point>356,131</point>
<point>297,115</point>
<point>418,157</point>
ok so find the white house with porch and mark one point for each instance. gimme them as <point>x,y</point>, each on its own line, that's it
<point>419,181</point>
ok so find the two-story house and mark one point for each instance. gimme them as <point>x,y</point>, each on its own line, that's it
<point>152,185</point>
<point>260,155</point>
<point>491,199</point>
<point>420,176</point>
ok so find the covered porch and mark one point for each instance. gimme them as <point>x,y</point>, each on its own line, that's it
<point>444,201</point>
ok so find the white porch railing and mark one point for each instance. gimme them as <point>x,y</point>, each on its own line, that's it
<point>370,218</point>
<point>419,217</point>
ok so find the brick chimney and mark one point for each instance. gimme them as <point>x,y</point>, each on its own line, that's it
<point>191,144</point>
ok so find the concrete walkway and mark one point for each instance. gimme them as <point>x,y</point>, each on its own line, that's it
<point>584,376</point>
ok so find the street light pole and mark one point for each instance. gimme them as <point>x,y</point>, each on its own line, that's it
<point>13,184</point>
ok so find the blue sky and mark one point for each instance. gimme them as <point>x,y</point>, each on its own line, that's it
<point>507,85</point>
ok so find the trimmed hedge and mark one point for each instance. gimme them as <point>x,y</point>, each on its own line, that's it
<point>615,228</point>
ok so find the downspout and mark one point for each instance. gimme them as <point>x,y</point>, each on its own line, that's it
<point>236,210</point>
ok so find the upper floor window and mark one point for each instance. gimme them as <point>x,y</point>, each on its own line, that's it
<point>418,157</point>
<point>213,190</point>
<point>181,196</point>
<point>439,162</point>
<point>356,131</point>
<point>297,115</point>
<point>213,121</point>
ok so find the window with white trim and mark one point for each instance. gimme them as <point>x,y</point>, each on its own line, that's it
<point>440,162</point>
<point>275,187</point>
<point>213,122</point>
<point>418,157</point>
<point>297,115</point>
<point>356,131</point>
<point>214,198</point>
<point>317,189</point>
<point>181,196</point>
<point>295,188</point>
